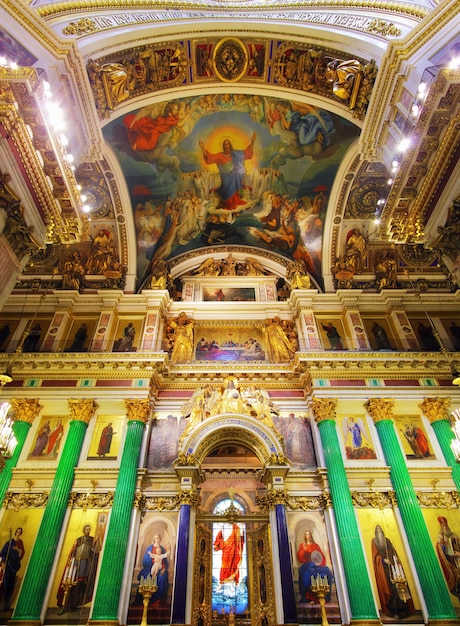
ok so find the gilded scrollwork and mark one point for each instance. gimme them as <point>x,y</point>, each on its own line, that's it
<point>441,499</point>
<point>19,501</point>
<point>84,26</point>
<point>91,500</point>
<point>381,27</point>
<point>295,503</point>
<point>374,499</point>
<point>162,503</point>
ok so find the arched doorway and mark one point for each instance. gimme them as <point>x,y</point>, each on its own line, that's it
<point>233,565</point>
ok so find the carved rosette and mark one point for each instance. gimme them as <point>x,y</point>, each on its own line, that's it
<point>25,410</point>
<point>380,409</point>
<point>138,410</point>
<point>435,409</point>
<point>324,409</point>
<point>82,410</point>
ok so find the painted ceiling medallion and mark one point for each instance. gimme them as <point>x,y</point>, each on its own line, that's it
<point>230,59</point>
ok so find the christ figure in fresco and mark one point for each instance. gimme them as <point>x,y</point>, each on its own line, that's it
<point>230,163</point>
<point>232,551</point>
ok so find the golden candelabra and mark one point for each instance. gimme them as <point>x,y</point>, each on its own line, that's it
<point>399,580</point>
<point>67,584</point>
<point>320,587</point>
<point>147,588</point>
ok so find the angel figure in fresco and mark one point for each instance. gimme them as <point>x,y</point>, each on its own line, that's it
<point>356,444</point>
<point>144,132</point>
<point>230,163</point>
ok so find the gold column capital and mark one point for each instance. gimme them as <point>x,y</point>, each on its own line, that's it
<point>82,410</point>
<point>380,408</point>
<point>138,410</point>
<point>25,410</point>
<point>435,409</point>
<point>324,409</point>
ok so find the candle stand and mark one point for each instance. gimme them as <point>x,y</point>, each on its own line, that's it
<point>67,584</point>
<point>147,588</point>
<point>320,587</point>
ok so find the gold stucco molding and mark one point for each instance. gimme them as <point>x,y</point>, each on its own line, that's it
<point>295,503</point>
<point>439,499</point>
<point>374,499</point>
<point>91,500</point>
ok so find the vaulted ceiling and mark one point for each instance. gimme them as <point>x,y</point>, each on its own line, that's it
<point>317,101</point>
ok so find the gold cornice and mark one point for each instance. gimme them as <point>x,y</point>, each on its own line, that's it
<point>59,8</point>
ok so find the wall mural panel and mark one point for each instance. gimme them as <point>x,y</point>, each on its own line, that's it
<point>414,437</point>
<point>388,561</point>
<point>74,584</point>
<point>229,169</point>
<point>154,557</point>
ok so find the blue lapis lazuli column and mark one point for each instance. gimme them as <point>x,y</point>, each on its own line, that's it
<point>287,581</point>
<point>181,569</point>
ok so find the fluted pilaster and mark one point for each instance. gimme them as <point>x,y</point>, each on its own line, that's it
<point>107,597</point>
<point>358,584</point>
<point>25,411</point>
<point>437,411</point>
<point>437,599</point>
<point>33,590</point>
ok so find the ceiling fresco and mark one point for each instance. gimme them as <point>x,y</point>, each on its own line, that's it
<point>229,169</point>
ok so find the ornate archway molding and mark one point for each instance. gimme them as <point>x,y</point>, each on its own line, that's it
<point>222,429</point>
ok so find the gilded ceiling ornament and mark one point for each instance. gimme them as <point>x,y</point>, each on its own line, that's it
<point>25,410</point>
<point>138,410</point>
<point>380,409</point>
<point>363,198</point>
<point>435,409</point>
<point>82,27</point>
<point>230,59</point>
<point>380,27</point>
<point>417,255</point>
<point>82,410</point>
<point>324,409</point>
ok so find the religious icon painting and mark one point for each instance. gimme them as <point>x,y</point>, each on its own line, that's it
<point>444,528</point>
<point>105,442</point>
<point>76,573</point>
<point>48,439</point>
<point>386,554</point>
<point>154,567</point>
<point>17,535</point>
<point>7,329</point>
<point>298,439</point>
<point>357,439</point>
<point>333,334</point>
<point>312,565</point>
<point>414,438</point>
<point>80,335</point>
<point>127,336</point>
<point>164,436</point>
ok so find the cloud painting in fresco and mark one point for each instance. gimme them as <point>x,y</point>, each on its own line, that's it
<point>230,169</point>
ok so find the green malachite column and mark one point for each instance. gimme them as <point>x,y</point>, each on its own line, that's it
<point>435,592</point>
<point>359,587</point>
<point>111,574</point>
<point>25,411</point>
<point>33,590</point>
<point>437,411</point>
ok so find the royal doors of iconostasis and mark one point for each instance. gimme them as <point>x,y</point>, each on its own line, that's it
<point>236,457</point>
<point>232,574</point>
